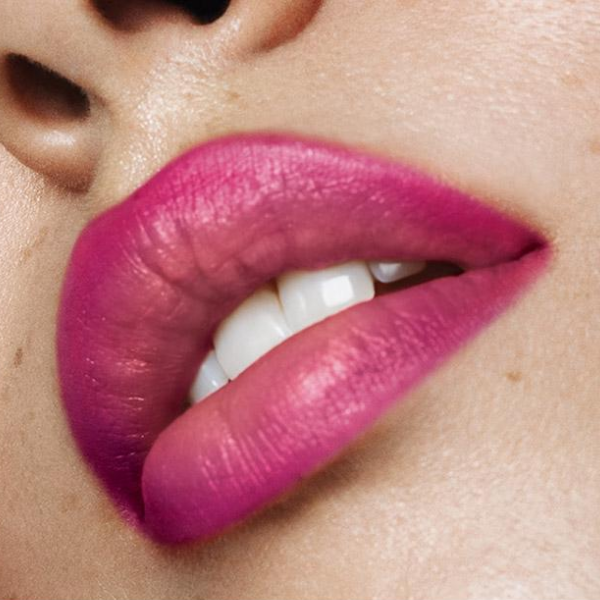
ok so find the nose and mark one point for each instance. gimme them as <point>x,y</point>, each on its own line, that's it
<point>84,82</point>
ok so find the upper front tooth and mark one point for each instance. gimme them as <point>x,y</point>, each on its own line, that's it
<point>256,326</point>
<point>310,296</point>
<point>388,272</point>
<point>210,378</point>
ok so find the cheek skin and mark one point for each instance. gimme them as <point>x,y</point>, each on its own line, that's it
<point>483,484</point>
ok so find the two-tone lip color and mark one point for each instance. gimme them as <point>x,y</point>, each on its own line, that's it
<point>151,280</point>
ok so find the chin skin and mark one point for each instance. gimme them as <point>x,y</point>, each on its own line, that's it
<point>484,482</point>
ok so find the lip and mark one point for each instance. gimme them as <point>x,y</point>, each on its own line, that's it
<point>150,280</point>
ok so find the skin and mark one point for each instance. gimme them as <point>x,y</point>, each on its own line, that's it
<point>484,483</point>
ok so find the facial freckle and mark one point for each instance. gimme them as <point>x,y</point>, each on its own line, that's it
<point>570,80</point>
<point>594,146</point>
<point>514,376</point>
<point>29,251</point>
<point>233,96</point>
<point>18,359</point>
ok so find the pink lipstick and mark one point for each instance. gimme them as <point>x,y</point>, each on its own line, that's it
<point>151,280</point>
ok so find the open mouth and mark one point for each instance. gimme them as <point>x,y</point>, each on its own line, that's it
<point>294,302</point>
<point>241,318</point>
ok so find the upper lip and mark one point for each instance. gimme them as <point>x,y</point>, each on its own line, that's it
<point>150,280</point>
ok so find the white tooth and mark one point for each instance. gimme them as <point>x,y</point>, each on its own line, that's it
<point>310,296</point>
<point>251,331</point>
<point>388,272</point>
<point>210,378</point>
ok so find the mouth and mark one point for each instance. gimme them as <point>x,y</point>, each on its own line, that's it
<point>240,319</point>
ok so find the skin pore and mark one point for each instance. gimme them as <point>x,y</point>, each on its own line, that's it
<point>484,483</point>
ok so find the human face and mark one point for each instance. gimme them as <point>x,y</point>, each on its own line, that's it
<point>483,481</point>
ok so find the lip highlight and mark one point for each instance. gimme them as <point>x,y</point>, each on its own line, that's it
<point>151,279</point>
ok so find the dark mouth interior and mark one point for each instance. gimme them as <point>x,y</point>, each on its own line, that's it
<point>434,270</point>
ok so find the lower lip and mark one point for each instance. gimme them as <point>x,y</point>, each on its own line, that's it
<point>183,477</point>
<point>296,408</point>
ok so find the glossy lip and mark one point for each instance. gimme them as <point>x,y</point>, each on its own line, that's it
<point>150,280</point>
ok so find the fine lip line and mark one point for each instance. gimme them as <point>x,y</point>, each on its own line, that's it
<point>175,233</point>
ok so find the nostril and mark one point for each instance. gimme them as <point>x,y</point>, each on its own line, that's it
<point>48,122</point>
<point>204,11</point>
<point>134,14</point>
<point>42,93</point>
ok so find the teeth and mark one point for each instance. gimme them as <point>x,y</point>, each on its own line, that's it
<point>305,297</point>
<point>310,296</point>
<point>211,378</point>
<point>389,272</point>
<point>256,326</point>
